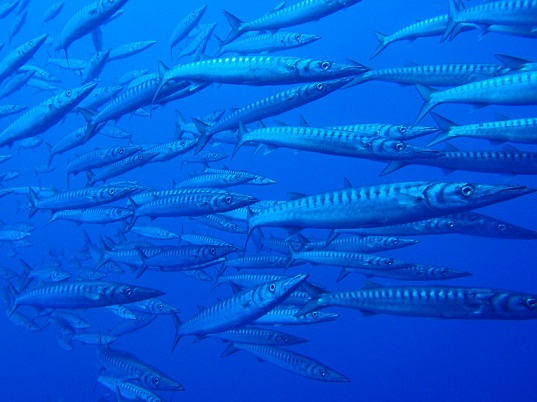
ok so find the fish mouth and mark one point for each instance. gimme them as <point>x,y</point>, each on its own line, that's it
<point>515,190</point>
<point>292,283</point>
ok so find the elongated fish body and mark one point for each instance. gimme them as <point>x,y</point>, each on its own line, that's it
<point>220,223</point>
<point>153,306</point>
<point>360,244</point>
<point>258,336</point>
<point>6,110</point>
<point>172,149</point>
<point>129,76</point>
<point>127,365</point>
<point>52,12</point>
<point>332,142</point>
<point>270,106</point>
<point>198,239</point>
<point>69,141</point>
<point>505,12</point>
<point>257,70</point>
<point>414,272</point>
<point>103,214</point>
<point>100,96</point>
<point>122,166</point>
<point>40,73</point>
<point>288,316</point>
<point>204,157</point>
<point>238,309</point>
<point>192,203</point>
<point>266,43</point>
<point>45,115</point>
<point>121,311</point>
<point>434,74</point>
<point>71,64</point>
<point>95,66</point>
<point>154,232</point>
<point>100,157</point>
<point>434,26</point>
<point>205,32</point>
<point>182,257</point>
<point>214,180</point>
<point>128,326</point>
<point>252,280</point>
<point>152,195</point>
<point>130,49</point>
<point>254,178</point>
<point>87,20</point>
<point>17,24</point>
<point>298,13</point>
<point>469,223</point>
<point>506,161</point>
<point>127,389</point>
<point>15,83</point>
<point>514,130</point>
<point>79,198</point>
<point>19,56</point>
<point>186,25</point>
<point>381,205</point>
<point>261,262</point>
<point>7,7</point>
<point>432,301</point>
<point>510,89</point>
<point>76,295</point>
<point>290,361</point>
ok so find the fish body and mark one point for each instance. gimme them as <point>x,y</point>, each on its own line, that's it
<point>258,336</point>
<point>19,56</point>
<point>100,157</point>
<point>104,214</point>
<point>130,49</point>
<point>185,26</point>
<point>127,389</point>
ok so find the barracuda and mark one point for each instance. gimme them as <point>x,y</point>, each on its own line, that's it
<point>45,115</point>
<point>288,316</point>
<point>256,70</point>
<point>185,26</point>
<point>104,214</point>
<point>266,43</point>
<point>273,105</point>
<point>130,49</point>
<point>468,223</point>
<point>298,13</point>
<point>332,142</point>
<point>237,310</point>
<point>380,205</point>
<point>513,130</point>
<point>77,295</point>
<point>357,244</point>
<point>510,89</point>
<point>414,272</point>
<point>393,131</point>
<point>99,158</point>
<point>127,365</point>
<point>19,56</point>
<point>258,336</point>
<point>121,166</point>
<point>432,301</point>
<point>127,389</point>
<point>291,361</point>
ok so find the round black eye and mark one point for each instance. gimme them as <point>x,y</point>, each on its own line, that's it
<point>111,191</point>
<point>297,36</point>
<point>212,250</point>
<point>285,338</point>
<point>68,93</point>
<point>119,211</point>
<point>402,129</point>
<point>228,200</point>
<point>443,271</point>
<point>30,42</point>
<point>156,380</point>
<point>315,314</point>
<point>451,224</point>
<point>120,151</point>
<point>389,262</point>
<point>128,291</point>
<point>323,373</point>
<point>272,287</point>
<point>182,143</point>
<point>141,43</point>
<point>319,86</point>
<point>193,14</point>
<point>531,302</point>
<point>215,156</point>
<point>400,146</point>
<point>237,177</point>
<point>502,227</point>
<point>395,242</point>
<point>467,191</point>
<point>160,307</point>
<point>325,65</point>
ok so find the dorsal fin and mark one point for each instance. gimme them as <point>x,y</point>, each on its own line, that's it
<point>295,196</point>
<point>371,285</point>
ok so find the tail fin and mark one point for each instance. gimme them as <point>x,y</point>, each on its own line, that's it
<point>33,201</point>
<point>451,26</point>
<point>177,322</point>
<point>179,123</point>
<point>235,24</point>
<point>382,45</point>
<point>427,94</point>
<point>444,125</point>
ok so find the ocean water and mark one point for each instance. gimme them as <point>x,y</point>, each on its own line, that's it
<point>387,358</point>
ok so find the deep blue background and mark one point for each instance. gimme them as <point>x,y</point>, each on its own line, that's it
<point>386,357</point>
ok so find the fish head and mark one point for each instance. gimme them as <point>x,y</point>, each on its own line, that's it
<point>231,201</point>
<point>326,69</point>
<point>32,44</point>
<point>513,305</point>
<point>59,275</point>
<point>323,373</point>
<point>320,316</point>
<point>262,181</point>
<point>126,151</point>
<point>116,192</point>
<point>402,132</point>
<point>72,97</point>
<point>461,196</point>
<point>112,5</point>
<point>280,289</point>
<point>280,338</point>
<point>163,383</point>
<point>384,148</point>
<point>121,213</point>
<point>184,145</point>
<point>127,294</point>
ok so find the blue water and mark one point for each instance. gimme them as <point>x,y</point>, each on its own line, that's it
<point>387,358</point>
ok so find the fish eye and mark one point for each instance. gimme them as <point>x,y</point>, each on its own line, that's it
<point>502,227</point>
<point>237,177</point>
<point>325,65</point>
<point>228,200</point>
<point>323,373</point>
<point>389,262</point>
<point>119,211</point>
<point>531,303</point>
<point>272,287</point>
<point>319,86</point>
<point>285,338</point>
<point>395,242</point>
<point>402,129</point>
<point>443,271</point>
<point>297,36</point>
<point>467,190</point>
<point>160,307</point>
<point>140,157</point>
<point>215,156</point>
<point>68,93</point>
<point>315,314</point>
<point>193,14</point>
<point>156,380</point>
<point>128,291</point>
<point>120,151</point>
<point>141,43</point>
<point>111,191</point>
<point>212,250</point>
<point>182,143</point>
<point>451,224</point>
<point>400,146</point>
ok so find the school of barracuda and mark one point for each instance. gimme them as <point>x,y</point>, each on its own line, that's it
<point>358,221</point>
